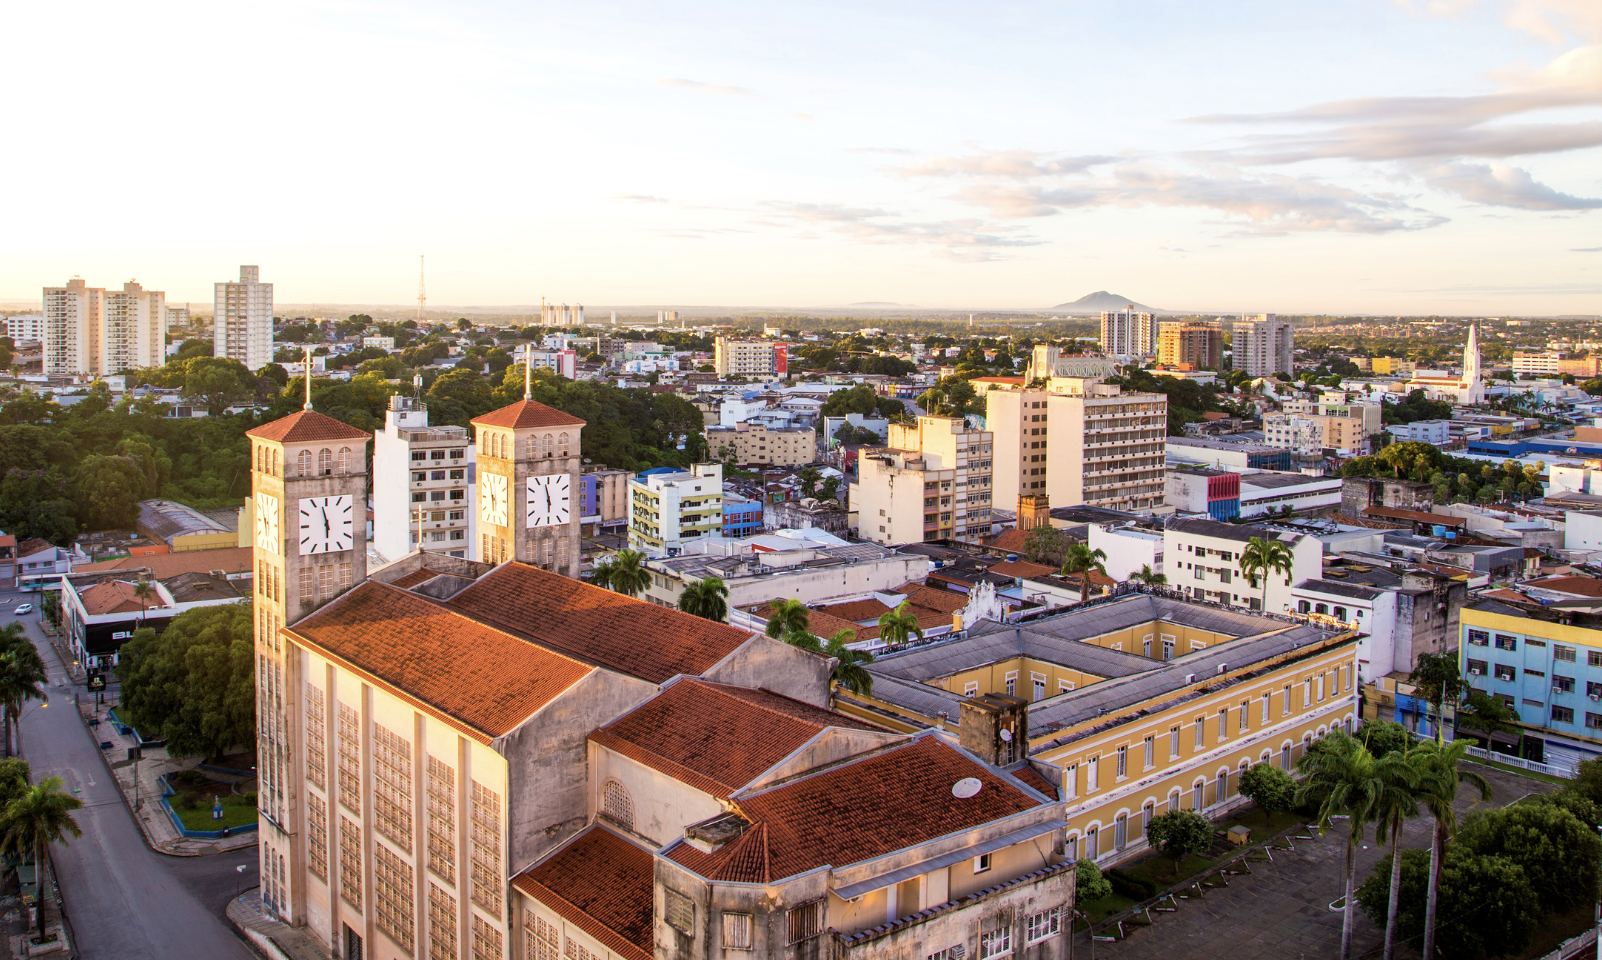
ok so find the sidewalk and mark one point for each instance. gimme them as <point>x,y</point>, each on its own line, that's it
<point>158,828</point>
<point>275,940</point>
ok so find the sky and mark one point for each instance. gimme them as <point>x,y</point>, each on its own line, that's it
<point>1367,156</point>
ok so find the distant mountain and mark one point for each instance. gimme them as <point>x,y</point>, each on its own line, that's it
<point>1102,300</point>
<point>879,303</point>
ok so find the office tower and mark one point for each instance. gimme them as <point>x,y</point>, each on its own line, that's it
<point>72,328</point>
<point>1264,345</point>
<point>1199,343</point>
<point>422,484</point>
<point>243,319</point>
<point>1126,333</point>
<point>133,329</point>
<point>750,358</point>
<point>933,482</point>
<point>1017,418</point>
<point>1107,448</point>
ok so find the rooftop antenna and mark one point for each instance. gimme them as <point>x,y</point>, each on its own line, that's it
<point>528,371</point>
<point>422,293</point>
<point>307,405</point>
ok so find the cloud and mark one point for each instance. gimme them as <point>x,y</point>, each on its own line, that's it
<point>1554,21</point>
<point>1010,163</point>
<point>1586,249</point>
<point>715,88</point>
<point>1499,184</point>
<point>970,240</point>
<point>637,198</point>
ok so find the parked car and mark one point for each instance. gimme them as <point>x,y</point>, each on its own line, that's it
<point>25,608</point>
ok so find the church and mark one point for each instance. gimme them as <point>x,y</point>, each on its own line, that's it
<point>1465,391</point>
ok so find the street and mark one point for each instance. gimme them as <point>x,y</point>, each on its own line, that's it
<point>122,899</point>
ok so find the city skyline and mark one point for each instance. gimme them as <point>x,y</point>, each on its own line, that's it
<point>1437,158</point>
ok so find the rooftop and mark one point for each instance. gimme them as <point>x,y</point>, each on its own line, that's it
<point>1240,533</point>
<point>307,426</point>
<point>601,883</point>
<point>527,413</point>
<point>113,596</point>
<point>165,519</point>
<point>164,565</point>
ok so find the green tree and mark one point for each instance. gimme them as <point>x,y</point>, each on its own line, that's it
<point>1271,788</point>
<point>1440,776</point>
<point>627,573</point>
<point>1558,853</point>
<point>1045,544</point>
<point>849,668</point>
<point>1090,885</point>
<point>35,820</point>
<point>1264,556</point>
<point>216,383</point>
<point>1080,561</point>
<point>194,684</point>
<point>1341,779</point>
<point>1438,681</point>
<point>897,627</point>
<point>1178,834</point>
<point>707,599</point>
<point>1149,577</point>
<point>108,490</point>
<point>22,678</point>
<point>14,780</point>
<point>1383,737</point>
<point>1485,715</point>
<point>788,617</point>
<point>1396,802</point>
<point>1494,911</point>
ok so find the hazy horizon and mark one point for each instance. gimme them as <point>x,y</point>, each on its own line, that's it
<point>1380,157</point>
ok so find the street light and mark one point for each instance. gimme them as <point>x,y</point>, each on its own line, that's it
<point>240,879</point>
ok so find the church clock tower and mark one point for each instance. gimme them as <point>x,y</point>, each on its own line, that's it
<point>309,503</point>
<point>528,484</point>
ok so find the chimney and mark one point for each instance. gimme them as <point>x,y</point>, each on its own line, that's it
<point>995,728</point>
<point>1034,510</point>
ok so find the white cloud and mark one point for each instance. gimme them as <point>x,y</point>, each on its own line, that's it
<point>1009,163</point>
<point>1499,184</point>
<point>968,239</point>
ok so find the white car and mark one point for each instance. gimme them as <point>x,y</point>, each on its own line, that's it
<point>25,608</point>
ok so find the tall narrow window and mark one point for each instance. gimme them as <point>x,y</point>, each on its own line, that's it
<point>1123,761</point>
<point>487,942</point>
<point>1223,724</point>
<point>316,747</point>
<point>350,862</point>
<point>392,787</point>
<point>1201,732</point>
<point>486,851</point>
<point>442,928</point>
<point>1245,711</point>
<point>1092,777</point>
<point>1151,751</point>
<point>317,836</point>
<point>350,759</point>
<point>1173,742</point>
<point>392,896</point>
<point>442,820</point>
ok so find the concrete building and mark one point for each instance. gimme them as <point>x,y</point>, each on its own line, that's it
<point>669,507</point>
<point>1018,417</point>
<point>1201,558</point>
<point>134,331</point>
<point>603,497</point>
<point>806,513</point>
<point>424,481</point>
<point>1547,364</point>
<point>933,482</point>
<point>242,319</point>
<point>1199,343</point>
<point>183,528</point>
<point>178,319</point>
<point>1401,612</point>
<point>750,358</point>
<point>759,444</point>
<point>1107,448</point>
<point>1046,361</point>
<point>73,316</point>
<point>1436,433</point>
<point>742,516</point>
<point>528,470</point>
<point>1128,333</point>
<point>26,326</point>
<point>100,612</point>
<point>1130,548</point>
<point>1358,494</point>
<point>1225,454</point>
<point>1264,345</point>
<point>1145,704</point>
<point>756,570</point>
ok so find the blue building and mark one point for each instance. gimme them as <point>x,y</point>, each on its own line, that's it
<point>741,517</point>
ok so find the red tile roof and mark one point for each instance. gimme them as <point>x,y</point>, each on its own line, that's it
<point>867,609</point>
<point>934,598</point>
<point>114,596</point>
<point>1034,781</point>
<point>164,565</point>
<point>31,546</point>
<point>1579,586</point>
<point>485,680</point>
<point>857,811</point>
<point>1022,569</point>
<point>421,575</point>
<point>603,884</point>
<point>307,426</point>
<point>1416,516</point>
<point>528,413</point>
<point>676,733</point>
<point>1016,381</point>
<point>1009,541</point>
<point>605,628</point>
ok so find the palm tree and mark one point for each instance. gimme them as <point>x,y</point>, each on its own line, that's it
<point>1440,778</point>
<point>143,591</point>
<point>848,668</point>
<point>787,619</point>
<point>22,677</point>
<point>1397,800</point>
<point>627,573</point>
<point>1079,560</point>
<point>706,599</point>
<point>1340,777</point>
<point>601,576</point>
<point>1264,556</point>
<point>33,821</point>
<point>899,626</point>
<point>1149,578</point>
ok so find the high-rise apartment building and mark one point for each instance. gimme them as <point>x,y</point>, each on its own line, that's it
<point>1017,416</point>
<point>1126,333</point>
<point>934,481</point>
<point>72,318</point>
<point>750,358</point>
<point>1199,343</point>
<point>133,329</point>
<point>26,326</point>
<point>1264,345</point>
<point>242,319</point>
<point>1107,448</point>
<point>423,484</point>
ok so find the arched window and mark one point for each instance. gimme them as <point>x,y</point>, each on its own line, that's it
<point>274,464</point>
<point>617,805</point>
<point>561,445</point>
<point>258,459</point>
<point>344,459</point>
<point>303,464</point>
<point>545,446</point>
<point>325,462</point>
<point>500,446</point>
<point>533,447</point>
<point>1223,786</point>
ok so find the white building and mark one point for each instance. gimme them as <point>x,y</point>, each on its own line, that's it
<point>1436,433</point>
<point>750,358</point>
<point>133,332</point>
<point>26,326</point>
<point>1301,435</point>
<point>382,343</point>
<point>423,482</point>
<point>72,318</point>
<point>1261,492</point>
<point>563,363</point>
<point>1202,559</point>
<point>668,507</point>
<point>1128,549</point>
<point>1127,333</point>
<point>1107,448</point>
<point>242,319</point>
<point>1264,345</point>
<point>178,318</point>
<point>1367,608</point>
<point>933,482</point>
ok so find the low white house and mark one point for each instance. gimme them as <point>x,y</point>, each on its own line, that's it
<point>1128,549</point>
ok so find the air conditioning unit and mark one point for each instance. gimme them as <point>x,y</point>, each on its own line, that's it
<point>1595,697</point>
<point>1475,672</point>
<point>1559,690</point>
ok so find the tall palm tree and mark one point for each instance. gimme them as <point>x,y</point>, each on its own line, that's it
<point>33,821</point>
<point>788,618</point>
<point>1340,778</point>
<point>848,668</point>
<point>143,591</point>
<point>628,574</point>
<point>898,626</point>
<point>22,677</point>
<point>601,576</point>
<point>1438,783</point>
<point>1397,801</point>
<point>706,599</point>
<point>1264,556</point>
<point>1149,578</point>
<point>1079,560</point>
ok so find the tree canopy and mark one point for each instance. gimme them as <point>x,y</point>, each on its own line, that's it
<point>193,684</point>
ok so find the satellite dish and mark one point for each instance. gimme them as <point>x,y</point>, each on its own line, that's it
<point>966,787</point>
<point>1006,735</point>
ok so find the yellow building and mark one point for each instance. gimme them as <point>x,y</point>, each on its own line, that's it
<point>1196,342</point>
<point>1146,704</point>
<point>758,443</point>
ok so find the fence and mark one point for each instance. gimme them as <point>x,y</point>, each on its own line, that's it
<point>1564,770</point>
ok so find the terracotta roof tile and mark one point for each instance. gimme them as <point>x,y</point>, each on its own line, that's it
<point>1034,781</point>
<point>1022,568</point>
<point>113,596</point>
<point>1416,516</point>
<point>605,628</point>
<point>1579,586</point>
<point>934,598</point>
<point>528,413</point>
<point>866,609</point>
<point>857,811</point>
<point>1009,541</point>
<point>422,575</point>
<point>31,546</point>
<point>474,674</point>
<point>604,885</point>
<point>164,565</point>
<point>307,426</point>
<point>754,729</point>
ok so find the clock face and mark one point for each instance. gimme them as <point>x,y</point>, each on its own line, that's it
<point>492,490</point>
<point>267,522</point>
<point>550,500</point>
<point>327,524</point>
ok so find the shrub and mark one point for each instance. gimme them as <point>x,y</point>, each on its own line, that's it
<point>1131,886</point>
<point>1090,883</point>
<point>187,778</point>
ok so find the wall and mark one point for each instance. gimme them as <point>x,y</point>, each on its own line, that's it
<point>1127,551</point>
<point>663,806</point>
<point>765,663</point>
<point>1582,530</point>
